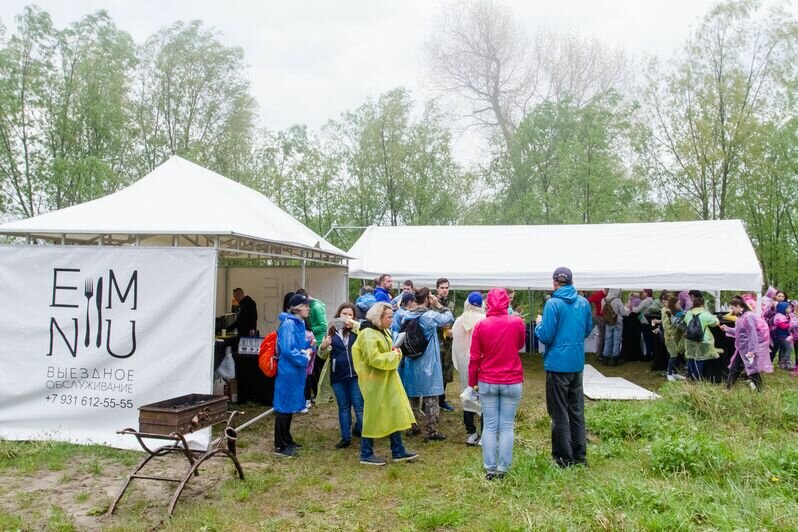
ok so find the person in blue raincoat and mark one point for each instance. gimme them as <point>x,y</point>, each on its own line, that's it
<point>294,354</point>
<point>423,377</point>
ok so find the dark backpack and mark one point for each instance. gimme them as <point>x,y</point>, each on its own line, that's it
<point>609,314</point>
<point>415,343</point>
<point>695,330</point>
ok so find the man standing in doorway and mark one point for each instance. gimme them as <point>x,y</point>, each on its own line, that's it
<point>445,337</point>
<point>383,291</point>
<point>247,319</point>
<point>565,324</point>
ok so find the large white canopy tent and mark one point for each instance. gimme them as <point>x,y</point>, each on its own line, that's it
<point>181,203</point>
<point>704,255</point>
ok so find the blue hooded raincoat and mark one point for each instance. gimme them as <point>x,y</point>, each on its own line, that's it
<point>423,377</point>
<point>565,325</point>
<point>289,385</point>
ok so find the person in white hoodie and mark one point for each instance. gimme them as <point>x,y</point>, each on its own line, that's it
<point>462,330</point>
<point>613,312</point>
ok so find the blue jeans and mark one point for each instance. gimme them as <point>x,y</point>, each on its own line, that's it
<point>612,340</point>
<point>695,369</point>
<point>397,447</point>
<point>348,396</point>
<point>783,347</point>
<point>499,403</point>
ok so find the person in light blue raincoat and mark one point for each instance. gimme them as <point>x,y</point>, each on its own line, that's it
<point>294,352</point>
<point>423,377</point>
<point>407,302</point>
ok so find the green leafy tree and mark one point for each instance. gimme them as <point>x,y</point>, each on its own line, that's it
<point>191,99</point>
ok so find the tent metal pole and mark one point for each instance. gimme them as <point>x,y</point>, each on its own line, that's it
<point>346,281</point>
<point>758,309</point>
<point>717,300</point>
<point>303,274</point>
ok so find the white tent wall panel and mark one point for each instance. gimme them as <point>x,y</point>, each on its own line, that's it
<point>268,285</point>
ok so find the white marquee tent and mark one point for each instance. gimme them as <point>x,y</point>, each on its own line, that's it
<point>703,255</point>
<point>182,203</point>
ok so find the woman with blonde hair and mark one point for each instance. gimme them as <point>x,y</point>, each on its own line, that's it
<point>386,410</point>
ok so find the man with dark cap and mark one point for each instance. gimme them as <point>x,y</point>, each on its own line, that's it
<point>565,324</point>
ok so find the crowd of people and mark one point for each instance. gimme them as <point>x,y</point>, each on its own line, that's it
<point>683,324</point>
<point>388,357</point>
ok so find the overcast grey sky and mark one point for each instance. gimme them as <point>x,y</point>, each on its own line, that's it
<point>311,60</point>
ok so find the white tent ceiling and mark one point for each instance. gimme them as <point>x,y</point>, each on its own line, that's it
<point>705,255</point>
<point>182,203</point>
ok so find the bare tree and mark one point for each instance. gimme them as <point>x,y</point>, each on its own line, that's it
<point>480,53</point>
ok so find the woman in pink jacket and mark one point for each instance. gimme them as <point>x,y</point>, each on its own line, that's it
<point>495,370</point>
<point>751,343</point>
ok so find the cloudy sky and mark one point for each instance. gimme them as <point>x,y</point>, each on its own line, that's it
<point>311,60</point>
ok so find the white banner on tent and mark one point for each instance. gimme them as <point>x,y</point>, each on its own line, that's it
<point>89,334</point>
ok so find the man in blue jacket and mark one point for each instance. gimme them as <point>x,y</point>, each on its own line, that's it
<point>383,291</point>
<point>565,324</point>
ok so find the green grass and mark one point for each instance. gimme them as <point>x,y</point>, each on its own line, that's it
<point>701,458</point>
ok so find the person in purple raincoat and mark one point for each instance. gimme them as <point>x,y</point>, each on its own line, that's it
<point>752,345</point>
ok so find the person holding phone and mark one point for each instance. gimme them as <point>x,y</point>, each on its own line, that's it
<point>337,347</point>
<point>423,376</point>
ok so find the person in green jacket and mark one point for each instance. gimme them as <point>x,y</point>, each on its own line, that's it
<point>697,353</point>
<point>318,326</point>
<point>386,410</point>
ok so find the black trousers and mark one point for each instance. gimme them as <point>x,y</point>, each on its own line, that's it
<point>565,403</point>
<point>282,430</point>
<point>469,420</point>
<point>737,368</point>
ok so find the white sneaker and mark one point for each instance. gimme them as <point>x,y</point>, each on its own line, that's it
<point>472,439</point>
<point>480,442</point>
<point>671,378</point>
<point>308,404</point>
<point>303,411</point>
<point>752,385</point>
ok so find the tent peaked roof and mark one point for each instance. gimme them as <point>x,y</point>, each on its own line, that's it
<point>705,255</point>
<point>178,198</point>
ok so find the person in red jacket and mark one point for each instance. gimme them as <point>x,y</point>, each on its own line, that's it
<point>495,370</point>
<point>595,300</point>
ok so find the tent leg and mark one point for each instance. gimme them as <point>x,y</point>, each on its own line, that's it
<point>758,309</point>
<point>717,301</point>
<point>303,275</point>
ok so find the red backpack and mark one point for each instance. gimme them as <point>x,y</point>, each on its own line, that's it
<point>267,355</point>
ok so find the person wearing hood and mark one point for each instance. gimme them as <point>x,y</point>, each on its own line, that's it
<point>406,304</point>
<point>462,331</point>
<point>386,410</point>
<point>780,332</point>
<point>613,311</point>
<point>751,345</point>
<point>565,324</point>
<point>697,352</point>
<point>364,302</point>
<point>423,376</point>
<point>292,364</point>
<point>495,370</point>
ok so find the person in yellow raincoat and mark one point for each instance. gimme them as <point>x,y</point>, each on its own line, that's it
<point>386,410</point>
